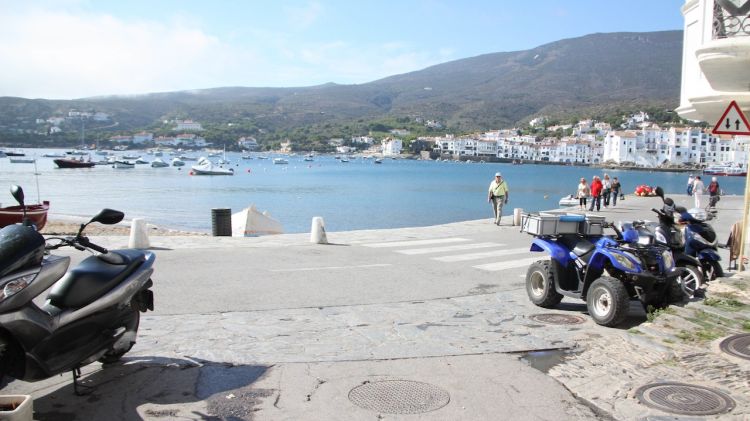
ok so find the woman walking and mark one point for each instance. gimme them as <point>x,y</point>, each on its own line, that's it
<point>698,189</point>
<point>583,194</point>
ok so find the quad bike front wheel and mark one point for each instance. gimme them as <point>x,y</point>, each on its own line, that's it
<point>608,301</point>
<point>540,284</point>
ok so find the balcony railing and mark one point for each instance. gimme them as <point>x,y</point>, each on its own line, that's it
<point>731,18</point>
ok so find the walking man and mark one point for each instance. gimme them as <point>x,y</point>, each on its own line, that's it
<point>498,196</point>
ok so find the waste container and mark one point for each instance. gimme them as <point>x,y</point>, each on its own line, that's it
<point>221,222</point>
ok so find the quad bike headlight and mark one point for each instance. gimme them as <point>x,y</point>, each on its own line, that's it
<point>668,259</point>
<point>627,260</point>
<point>14,286</point>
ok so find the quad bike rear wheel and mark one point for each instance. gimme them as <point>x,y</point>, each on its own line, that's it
<point>540,284</point>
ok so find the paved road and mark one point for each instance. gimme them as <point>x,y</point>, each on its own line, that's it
<point>278,328</point>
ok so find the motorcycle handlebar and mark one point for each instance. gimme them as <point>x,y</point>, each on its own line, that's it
<point>86,243</point>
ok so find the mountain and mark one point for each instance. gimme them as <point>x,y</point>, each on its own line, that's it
<point>577,76</point>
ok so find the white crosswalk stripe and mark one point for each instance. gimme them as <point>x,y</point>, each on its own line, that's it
<point>482,255</point>
<point>458,247</point>
<point>494,267</point>
<point>416,243</point>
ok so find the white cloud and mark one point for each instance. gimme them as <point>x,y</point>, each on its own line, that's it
<point>304,17</point>
<point>57,54</point>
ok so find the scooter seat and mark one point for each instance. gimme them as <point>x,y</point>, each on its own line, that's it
<point>92,278</point>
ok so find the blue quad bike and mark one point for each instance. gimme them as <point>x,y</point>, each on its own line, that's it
<point>604,270</point>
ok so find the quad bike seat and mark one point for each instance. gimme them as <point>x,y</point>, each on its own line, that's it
<point>578,245</point>
<point>92,278</point>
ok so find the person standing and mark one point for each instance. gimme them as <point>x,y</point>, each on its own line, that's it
<point>616,187</point>
<point>582,194</point>
<point>714,191</point>
<point>606,189</point>
<point>698,189</point>
<point>690,183</point>
<point>498,196</point>
<point>596,194</point>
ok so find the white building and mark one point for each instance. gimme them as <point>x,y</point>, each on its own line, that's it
<point>121,139</point>
<point>715,59</point>
<point>363,140</point>
<point>392,146</point>
<point>187,125</point>
<point>143,137</point>
<point>190,140</point>
<point>248,142</point>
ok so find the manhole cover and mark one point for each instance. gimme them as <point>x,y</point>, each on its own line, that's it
<point>399,397</point>
<point>737,345</point>
<point>557,319</point>
<point>685,399</point>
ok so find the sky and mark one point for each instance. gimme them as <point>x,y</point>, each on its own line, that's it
<point>65,49</point>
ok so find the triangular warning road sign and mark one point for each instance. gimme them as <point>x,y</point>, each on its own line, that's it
<point>732,122</point>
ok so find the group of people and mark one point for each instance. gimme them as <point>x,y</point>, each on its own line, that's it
<point>696,188</point>
<point>601,191</point>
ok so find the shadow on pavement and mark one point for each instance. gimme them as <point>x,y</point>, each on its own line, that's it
<point>158,388</point>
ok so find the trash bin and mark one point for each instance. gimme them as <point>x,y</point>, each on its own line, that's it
<point>221,222</point>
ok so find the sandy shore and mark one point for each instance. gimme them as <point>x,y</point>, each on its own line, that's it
<point>69,227</point>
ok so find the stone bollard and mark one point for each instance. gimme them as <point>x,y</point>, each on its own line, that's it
<point>517,216</point>
<point>318,231</point>
<point>138,234</point>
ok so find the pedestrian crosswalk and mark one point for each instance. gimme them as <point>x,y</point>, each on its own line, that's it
<point>496,257</point>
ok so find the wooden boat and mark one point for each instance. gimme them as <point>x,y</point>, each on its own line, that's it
<point>72,163</point>
<point>14,214</point>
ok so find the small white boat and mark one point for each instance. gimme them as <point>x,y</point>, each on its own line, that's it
<point>123,165</point>
<point>158,163</point>
<point>569,200</point>
<point>187,158</point>
<point>141,161</point>
<point>54,155</point>
<point>247,157</point>
<point>21,160</point>
<point>177,162</point>
<point>262,157</point>
<point>280,161</point>
<point>250,222</point>
<point>206,167</point>
<point>378,161</point>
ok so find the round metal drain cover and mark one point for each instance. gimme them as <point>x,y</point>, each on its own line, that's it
<point>557,319</point>
<point>685,399</point>
<point>737,345</point>
<point>399,397</point>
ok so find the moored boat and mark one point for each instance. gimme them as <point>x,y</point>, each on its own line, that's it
<point>72,163</point>
<point>37,214</point>
<point>725,170</point>
<point>159,163</point>
<point>280,161</point>
<point>206,167</point>
<point>177,162</point>
<point>21,160</point>
<point>568,200</point>
<point>123,165</point>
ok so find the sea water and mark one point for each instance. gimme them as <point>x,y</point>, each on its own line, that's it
<point>349,196</point>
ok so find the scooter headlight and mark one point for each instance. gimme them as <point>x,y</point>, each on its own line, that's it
<point>14,286</point>
<point>660,238</point>
<point>668,259</point>
<point>624,260</point>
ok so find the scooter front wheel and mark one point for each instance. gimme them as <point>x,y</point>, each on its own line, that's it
<point>691,280</point>
<point>713,270</point>
<point>607,301</point>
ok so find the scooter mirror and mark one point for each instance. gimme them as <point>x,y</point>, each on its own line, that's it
<point>660,192</point>
<point>108,217</point>
<point>17,193</point>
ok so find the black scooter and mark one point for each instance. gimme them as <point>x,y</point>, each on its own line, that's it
<point>91,313</point>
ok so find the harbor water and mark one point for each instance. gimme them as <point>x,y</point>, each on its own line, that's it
<point>353,195</point>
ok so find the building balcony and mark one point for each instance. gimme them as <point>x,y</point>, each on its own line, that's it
<point>725,58</point>
<point>710,108</point>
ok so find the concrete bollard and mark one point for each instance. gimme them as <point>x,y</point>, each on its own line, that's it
<point>517,216</point>
<point>318,231</point>
<point>138,234</point>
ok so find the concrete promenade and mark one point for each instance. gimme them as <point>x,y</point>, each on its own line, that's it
<point>277,328</point>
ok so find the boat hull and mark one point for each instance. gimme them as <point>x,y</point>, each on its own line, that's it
<point>72,163</point>
<point>14,214</point>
